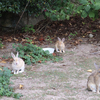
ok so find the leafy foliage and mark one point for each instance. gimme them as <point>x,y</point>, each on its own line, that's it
<point>5,89</point>
<point>1,45</point>
<point>54,9</point>
<point>48,38</point>
<point>33,54</point>
<point>72,34</point>
<point>88,8</point>
<point>28,28</point>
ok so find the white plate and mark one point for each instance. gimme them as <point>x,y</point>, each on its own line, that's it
<point>51,50</point>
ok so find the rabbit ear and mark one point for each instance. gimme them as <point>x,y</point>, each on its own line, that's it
<point>12,55</point>
<point>59,39</point>
<point>63,39</point>
<point>17,54</point>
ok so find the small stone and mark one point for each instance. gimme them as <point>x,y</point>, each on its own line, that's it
<point>90,35</point>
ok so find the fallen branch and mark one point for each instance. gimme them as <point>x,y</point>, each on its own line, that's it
<point>41,26</point>
<point>21,15</point>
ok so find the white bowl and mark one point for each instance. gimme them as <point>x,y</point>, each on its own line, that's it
<point>51,50</point>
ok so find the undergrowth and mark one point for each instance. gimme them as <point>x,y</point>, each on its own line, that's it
<point>5,89</point>
<point>1,45</point>
<point>34,54</point>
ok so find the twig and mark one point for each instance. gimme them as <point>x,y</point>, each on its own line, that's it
<point>41,27</point>
<point>21,15</point>
<point>95,52</point>
<point>44,26</point>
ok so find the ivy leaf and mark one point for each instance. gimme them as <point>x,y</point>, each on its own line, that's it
<point>91,14</point>
<point>84,2</point>
<point>84,14</point>
<point>87,8</point>
<point>97,5</point>
<point>67,17</point>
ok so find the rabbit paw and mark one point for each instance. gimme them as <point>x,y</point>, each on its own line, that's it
<point>15,72</point>
<point>60,51</point>
<point>98,93</point>
<point>12,71</point>
<point>93,90</point>
<point>63,51</point>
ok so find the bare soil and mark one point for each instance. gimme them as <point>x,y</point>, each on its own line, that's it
<point>64,80</point>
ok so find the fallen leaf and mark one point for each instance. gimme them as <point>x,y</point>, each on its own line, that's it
<point>89,70</point>
<point>15,39</point>
<point>21,86</point>
<point>61,25</point>
<point>80,40</point>
<point>76,42</point>
<point>83,36</point>
<point>0,68</point>
<point>41,39</point>
<point>23,40</point>
<point>2,61</point>
<point>39,61</point>
<point>32,42</point>
<point>9,40</point>
<point>53,54</point>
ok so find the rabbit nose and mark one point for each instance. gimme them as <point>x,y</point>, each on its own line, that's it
<point>16,63</point>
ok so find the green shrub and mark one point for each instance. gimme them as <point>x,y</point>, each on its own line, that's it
<point>1,45</point>
<point>5,89</point>
<point>28,28</point>
<point>53,9</point>
<point>88,8</point>
<point>33,54</point>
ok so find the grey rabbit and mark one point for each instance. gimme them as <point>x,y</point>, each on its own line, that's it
<point>93,82</point>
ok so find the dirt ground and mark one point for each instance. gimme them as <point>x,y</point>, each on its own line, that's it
<point>64,80</point>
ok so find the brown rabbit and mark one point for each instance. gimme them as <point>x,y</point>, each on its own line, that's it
<point>60,45</point>
<point>93,82</point>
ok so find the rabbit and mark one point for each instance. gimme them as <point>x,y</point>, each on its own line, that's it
<point>93,82</point>
<point>18,65</point>
<point>60,45</point>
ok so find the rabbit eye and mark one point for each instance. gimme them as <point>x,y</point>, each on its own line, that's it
<point>20,70</point>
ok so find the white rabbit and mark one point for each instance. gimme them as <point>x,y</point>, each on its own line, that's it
<point>18,65</point>
<point>60,45</point>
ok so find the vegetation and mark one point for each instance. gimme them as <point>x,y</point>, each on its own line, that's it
<point>1,45</point>
<point>88,8</point>
<point>54,9</point>
<point>33,54</point>
<point>28,28</point>
<point>5,89</point>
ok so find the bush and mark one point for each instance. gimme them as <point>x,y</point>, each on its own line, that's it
<point>1,45</point>
<point>5,89</point>
<point>33,54</point>
<point>88,8</point>
<point>54,9</point>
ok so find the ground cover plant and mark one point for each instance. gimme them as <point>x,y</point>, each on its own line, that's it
<point>1,45</point>
<point>5,89</point>
<point>34,54</point>
<point>65,80</point>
